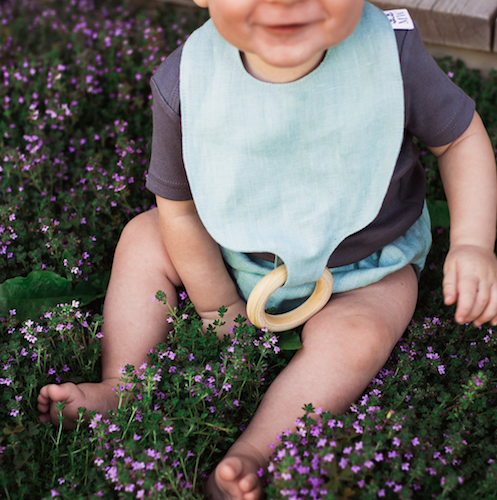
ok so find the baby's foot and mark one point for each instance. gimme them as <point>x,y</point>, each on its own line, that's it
<point>235,478</point>
<point>99,397</point>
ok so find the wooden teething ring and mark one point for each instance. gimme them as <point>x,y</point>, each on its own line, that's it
<point>280,322</point>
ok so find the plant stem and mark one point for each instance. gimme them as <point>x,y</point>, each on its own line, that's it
<point>129,422</point>
<point>6,492</point>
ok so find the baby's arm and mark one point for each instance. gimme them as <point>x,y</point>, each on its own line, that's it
<point>198,262</point>
<point>467,168</point>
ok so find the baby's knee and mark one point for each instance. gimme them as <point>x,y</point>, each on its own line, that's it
<point>144,225</point>
<point>141,233</point>
<point>141,248</point>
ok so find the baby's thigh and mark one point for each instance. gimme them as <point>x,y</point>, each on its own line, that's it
<point>368,320</point>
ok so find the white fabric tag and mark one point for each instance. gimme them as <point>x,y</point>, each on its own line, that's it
<point>399,19</point>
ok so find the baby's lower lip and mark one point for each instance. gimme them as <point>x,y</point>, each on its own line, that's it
<point>285,29</point>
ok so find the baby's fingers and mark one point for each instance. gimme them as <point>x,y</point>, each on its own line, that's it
<point>490,311</point>
<point>449,286</point>
<point>469,305</point>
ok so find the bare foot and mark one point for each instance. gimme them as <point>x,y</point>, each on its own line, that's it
<point>99,397</point>
<point>235,478</point>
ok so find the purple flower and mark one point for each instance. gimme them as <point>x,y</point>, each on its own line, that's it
<point>321,443</point>
<point>303,470</point>
<point>357,427</point>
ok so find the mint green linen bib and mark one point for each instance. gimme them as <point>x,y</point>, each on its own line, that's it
<point>292,168</point>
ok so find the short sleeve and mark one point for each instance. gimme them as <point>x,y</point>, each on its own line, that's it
<point>437,110</point>
<point>166,175</point>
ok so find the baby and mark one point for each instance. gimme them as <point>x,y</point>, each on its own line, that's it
<point>294,144</point>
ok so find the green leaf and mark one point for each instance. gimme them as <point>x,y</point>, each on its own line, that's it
<point>94,288</point>
<point>31,295</point>
<point>289,341</point>
<point>439,213</point>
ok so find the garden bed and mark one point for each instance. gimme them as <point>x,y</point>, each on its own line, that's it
<point>74,148</point>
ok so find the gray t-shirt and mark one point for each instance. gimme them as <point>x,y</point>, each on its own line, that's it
<point>436,112</point>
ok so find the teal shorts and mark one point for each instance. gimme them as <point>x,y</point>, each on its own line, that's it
<point>411,248</point>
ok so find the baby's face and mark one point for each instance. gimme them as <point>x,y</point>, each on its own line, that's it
<point>282,40</point>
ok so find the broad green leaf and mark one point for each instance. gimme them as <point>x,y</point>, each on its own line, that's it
<point>31,295</point>
<point>289,341</point>
<point>94,288</point>
<point>439,213</point>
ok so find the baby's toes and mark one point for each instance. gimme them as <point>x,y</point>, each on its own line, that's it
<point>43,403</point>
<point>64,392</point>
<point>44,417</point>
<point>250,486</point>
<point>230,469</point>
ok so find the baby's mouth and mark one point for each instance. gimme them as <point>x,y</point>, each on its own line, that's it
<point>285,29</point>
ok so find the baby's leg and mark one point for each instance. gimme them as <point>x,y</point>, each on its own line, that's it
<point>133,323</point>
<point>344,346</point>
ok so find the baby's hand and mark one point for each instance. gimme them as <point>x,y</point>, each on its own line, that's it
<point>235,309</point>
<point>470,279</point>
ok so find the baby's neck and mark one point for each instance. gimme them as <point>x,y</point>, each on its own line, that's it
<point>260,70</point>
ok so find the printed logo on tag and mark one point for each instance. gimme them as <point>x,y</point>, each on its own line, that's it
<point>399,19</point>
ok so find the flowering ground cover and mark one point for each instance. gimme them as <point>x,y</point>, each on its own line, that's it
<point>75,132</point>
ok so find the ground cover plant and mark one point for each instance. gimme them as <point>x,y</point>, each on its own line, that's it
<point>75,133</point>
